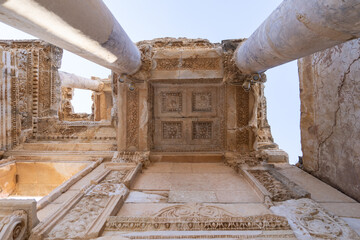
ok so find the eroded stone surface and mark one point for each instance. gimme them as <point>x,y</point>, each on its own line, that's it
<point>187,97</point>
<point>329,83</point>
<point>310,221</point>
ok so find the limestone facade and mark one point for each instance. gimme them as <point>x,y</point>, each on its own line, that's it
<point>180,149</point>
<point>189,98</point>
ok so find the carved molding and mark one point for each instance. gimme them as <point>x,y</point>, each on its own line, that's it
<point>193,211</point>
<point>168,42</point>
<point>196,217</point>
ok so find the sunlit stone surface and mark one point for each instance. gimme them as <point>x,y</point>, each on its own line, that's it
<point>180,149</point>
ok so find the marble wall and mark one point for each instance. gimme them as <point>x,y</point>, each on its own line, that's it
<point>330,111</point>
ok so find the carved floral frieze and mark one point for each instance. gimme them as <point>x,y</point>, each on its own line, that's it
<point>196,217</point>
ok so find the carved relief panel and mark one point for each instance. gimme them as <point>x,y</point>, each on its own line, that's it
<point>187,117</point>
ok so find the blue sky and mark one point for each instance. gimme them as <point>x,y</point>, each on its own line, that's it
<point>211,19</point>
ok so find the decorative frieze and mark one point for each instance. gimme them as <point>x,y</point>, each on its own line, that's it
<point>167,64</point>
<point>196,217</point>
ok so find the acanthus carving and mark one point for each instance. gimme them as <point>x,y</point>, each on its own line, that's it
<point>310,221</point>
<point>194,211</point>
<point>242,116</point>
<point>238,160</point>
<point>132,120</point>
<point>24,87</point>
<point>232,74</point>
<point>278,190</point>
<point>76,223</point>
<point>196,217</point>
<point>144,73</point>
<point>14,226</point>
<point>131,157</point>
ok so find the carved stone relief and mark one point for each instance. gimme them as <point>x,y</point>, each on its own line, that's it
<point>53,129</point>
<point>79,220</point>
<point>310,221</point>
<point>33,89</point>
<point>194,210</point>
<point>132,120</point>
<point>243,117</point>
<point>201,102</point>
<point>195,217</point>
<point>171,102</point>
<point>279,191</point>
<point>188,119</point>
<point>172,130</point>
<point>131,157</point>
<point>201,130</point>
<point>14,226</point>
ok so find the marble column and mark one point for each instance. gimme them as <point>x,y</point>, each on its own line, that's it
<point>86,28</point>
<point>73,81</point>
<point>297,29</point>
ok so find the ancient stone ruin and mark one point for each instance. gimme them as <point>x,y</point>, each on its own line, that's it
<point>178,145</point>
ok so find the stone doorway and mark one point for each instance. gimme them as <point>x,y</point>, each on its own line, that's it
<point>188,117</point>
